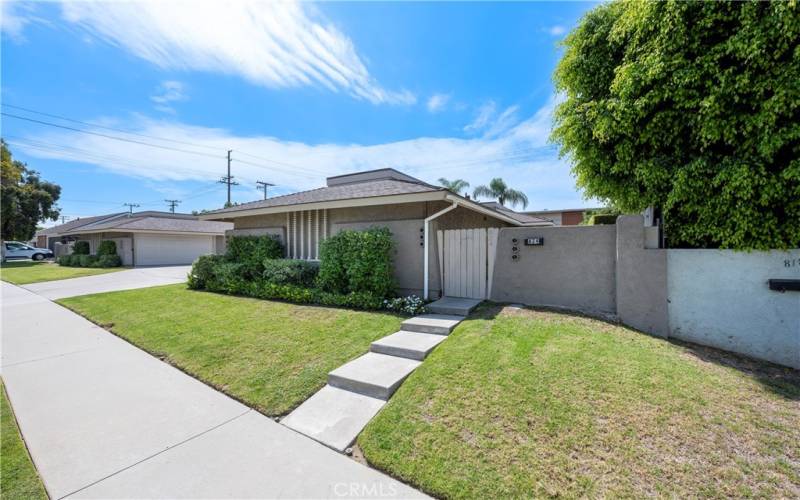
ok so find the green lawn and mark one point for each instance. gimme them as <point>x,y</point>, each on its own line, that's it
<point>18,478</point>
<point>540,404</point>
<point>25,272</point>
<point>271,355</point>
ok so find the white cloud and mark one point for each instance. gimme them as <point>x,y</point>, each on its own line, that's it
<point>556,30</point>
<point>274,44</point>
<point>14,17</point>
<point>482,117</point>
<point>437,102</point>
<point>520,154</point>
<point>167,92</point>
<point>489,123</point>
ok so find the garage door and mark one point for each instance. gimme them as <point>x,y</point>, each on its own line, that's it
<point>165,250</point>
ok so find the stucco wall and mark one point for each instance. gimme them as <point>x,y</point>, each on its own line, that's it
<point>721,298</point>
<point>641,278</point>
<point>575,268</point>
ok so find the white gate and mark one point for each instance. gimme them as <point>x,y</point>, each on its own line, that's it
<point>466,258</point>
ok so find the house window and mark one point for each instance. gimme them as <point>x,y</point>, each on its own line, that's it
<point>305,230</point>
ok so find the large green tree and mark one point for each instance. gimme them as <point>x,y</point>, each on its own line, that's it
<point>691,107</point>
<point>26,198</point>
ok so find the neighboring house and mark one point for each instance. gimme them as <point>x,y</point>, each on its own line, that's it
<point>414,212</point>
<point>564,217</point>
<point>47,238</point>
<point>147,238</point>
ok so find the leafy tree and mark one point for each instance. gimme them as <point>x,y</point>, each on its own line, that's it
<point>26,198</point>
<point>691,107</point>
<point>498,190</point>
<point>455,186</point>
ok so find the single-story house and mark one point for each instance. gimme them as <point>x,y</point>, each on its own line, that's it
<point>433,228</point>
<point>149,238</point>
<point>48,237</point>
<point>563,217</point>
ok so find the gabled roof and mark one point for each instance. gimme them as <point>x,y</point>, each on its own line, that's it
<point>518,216</point>
<point>74,224</point>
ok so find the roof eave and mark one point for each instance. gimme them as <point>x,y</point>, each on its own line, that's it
<point>346,203</point>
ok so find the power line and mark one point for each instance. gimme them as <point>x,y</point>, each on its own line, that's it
<point>228,179</point>
<point>172,204</point>
<point>262,184</point>
<point>131,206</point>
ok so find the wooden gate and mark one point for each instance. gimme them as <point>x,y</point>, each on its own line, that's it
<point>466,258</point>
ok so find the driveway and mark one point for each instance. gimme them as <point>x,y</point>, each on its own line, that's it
<point>104,419</point>
<point>140,277</point>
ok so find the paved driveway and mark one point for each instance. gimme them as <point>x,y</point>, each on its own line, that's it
<point>103,419</point>
<point>140,277</point>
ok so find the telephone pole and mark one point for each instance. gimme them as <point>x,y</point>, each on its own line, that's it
<point>172,204</point>
<point>131,206</point>
<point>64,218</point>
<point>262,184</point>
<point>228,179</point>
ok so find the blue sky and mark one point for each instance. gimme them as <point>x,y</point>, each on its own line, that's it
<point>297,91</point>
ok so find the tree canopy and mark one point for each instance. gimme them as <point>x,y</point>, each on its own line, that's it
<point>498,190</point>
<point>691,107</point>
<point>26,198</point>
<point>455,186</point>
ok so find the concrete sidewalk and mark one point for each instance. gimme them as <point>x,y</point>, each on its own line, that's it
<point>140,277</point>
<point>103,419</point>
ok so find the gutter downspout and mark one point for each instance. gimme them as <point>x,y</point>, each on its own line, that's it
<point>426,244</point>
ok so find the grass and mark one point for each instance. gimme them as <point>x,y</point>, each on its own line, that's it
<point>18,478</point>
<point>26,272</point>
<point>539,404</point>
<point>271,355</point>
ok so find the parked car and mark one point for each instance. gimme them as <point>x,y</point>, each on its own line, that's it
<point>17,250</point>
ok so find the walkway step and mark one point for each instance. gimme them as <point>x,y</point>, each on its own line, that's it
<point>458,306</point>
<point>440,324</point>
<point>333,416</point>
<point>375,375</point>
<point>411,345</point>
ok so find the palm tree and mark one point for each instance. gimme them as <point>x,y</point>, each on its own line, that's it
<point>499,190</point>
<point>456,185</point>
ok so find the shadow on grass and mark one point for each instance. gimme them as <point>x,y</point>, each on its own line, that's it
<point>24,263</point>
<point>780,380</point>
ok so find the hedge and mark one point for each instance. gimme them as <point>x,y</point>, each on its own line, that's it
<point>251,251</point>
<point>358,261</point>
<point>106,247</point>
<point>80,248</point>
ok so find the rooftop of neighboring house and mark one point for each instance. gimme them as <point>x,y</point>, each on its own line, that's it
<point>385,184</point>
<point>150,221</point>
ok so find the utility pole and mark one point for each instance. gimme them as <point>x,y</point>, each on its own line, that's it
<point>172,204</point>
<point>228,179</point>
<point>64,218</point>
<point>130,206</point>
<point>260,184</point>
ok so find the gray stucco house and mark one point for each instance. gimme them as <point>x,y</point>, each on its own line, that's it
<point>149,238</point>
<point>419,215</point>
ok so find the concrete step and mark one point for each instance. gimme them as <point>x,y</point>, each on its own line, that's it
<point>440,324</point>
<point>411,345</point>
<point>458,306</point>
<point>333,416</point>
<point>375,375</point>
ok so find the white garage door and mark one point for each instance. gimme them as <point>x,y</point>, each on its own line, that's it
<point>164,250</point>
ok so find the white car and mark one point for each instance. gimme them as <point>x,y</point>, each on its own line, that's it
<point>17,250</point>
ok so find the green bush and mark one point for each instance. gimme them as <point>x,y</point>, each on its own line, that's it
<point>251,251</point>
<point>85,260</point>
<point>358,261</point>
<point>65,260</point>
<point>290,272</point>
<point>107,247</point>
<point>203,271</point>
<point>602,219</point>
<point>112,260</point>
<point>80,248</point>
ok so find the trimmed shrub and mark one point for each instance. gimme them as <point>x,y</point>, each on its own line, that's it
<point>290,272</point>
<point>251,251</point>
<point>412,305</point>
<point>107,247</point>
<point>602,219</point>
<point>80,248</point>
<point>85,260</point>
<point>65,260</point>
<point>203,271</point>
<point>112,260</point>
<point>358,261</point>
